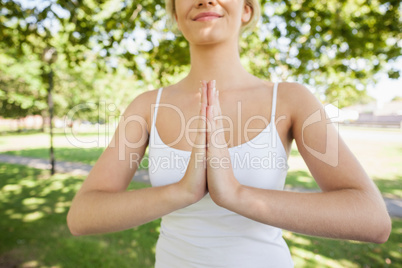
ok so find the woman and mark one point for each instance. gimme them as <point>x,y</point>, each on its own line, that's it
<point>226,207</point>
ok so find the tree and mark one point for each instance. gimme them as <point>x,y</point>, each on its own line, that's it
<point>336,47</point>
<point>21,89</point>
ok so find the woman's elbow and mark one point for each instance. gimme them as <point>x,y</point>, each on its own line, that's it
<point>384,230</point>
<point>376,221</point>
<point>72,225</point>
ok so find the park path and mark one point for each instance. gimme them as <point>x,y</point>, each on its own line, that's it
<point>394,206</point>
<point>75,168</point>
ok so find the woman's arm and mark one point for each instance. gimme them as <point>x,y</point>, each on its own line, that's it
<point>103,204</point>
<point>350,206</point>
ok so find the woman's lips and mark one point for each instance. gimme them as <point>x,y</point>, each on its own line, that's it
<point>207,16</point>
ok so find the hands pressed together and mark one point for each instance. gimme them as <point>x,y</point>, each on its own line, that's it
<point>209,168</point>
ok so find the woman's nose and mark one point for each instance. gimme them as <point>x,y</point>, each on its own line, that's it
<point>205,3</point>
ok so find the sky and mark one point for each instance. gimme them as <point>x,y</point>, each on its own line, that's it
<point>386,89</point>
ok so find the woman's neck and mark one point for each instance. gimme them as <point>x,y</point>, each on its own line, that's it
<point>220,62</point>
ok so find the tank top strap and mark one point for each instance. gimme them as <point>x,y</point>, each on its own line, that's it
<point>274,97</point>
<point>274,134</point>
<point>158,97</point>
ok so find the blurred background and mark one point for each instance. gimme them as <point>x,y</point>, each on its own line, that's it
<point>68,69</point>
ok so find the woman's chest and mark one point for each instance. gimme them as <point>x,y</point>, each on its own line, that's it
<point>243,119</point>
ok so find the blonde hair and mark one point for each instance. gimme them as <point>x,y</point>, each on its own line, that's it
<point>255,15</point>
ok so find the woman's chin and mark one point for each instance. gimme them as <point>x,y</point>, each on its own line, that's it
<point>206,39</point>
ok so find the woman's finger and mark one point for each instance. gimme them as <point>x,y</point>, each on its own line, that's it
<point>217,112</point>
<point>204,95</point>
<point>200,141</point>
<point>217,109</point>
<point>215,135</point>
<point>210,87</point>
<point>211,125</point>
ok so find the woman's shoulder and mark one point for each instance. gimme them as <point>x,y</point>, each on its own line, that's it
<point>295,94</point>
<point>141,104</point>
<point>288,89</point>
<point>143,100</point>
<point>298,100</point>
<point>292,89</point>
<point>147,98</point>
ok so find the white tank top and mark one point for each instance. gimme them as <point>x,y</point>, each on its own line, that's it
<point>207,235</point>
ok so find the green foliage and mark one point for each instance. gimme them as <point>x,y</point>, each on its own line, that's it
<point>80,92</point>
<point>21,88</point>
<point>336,47</point>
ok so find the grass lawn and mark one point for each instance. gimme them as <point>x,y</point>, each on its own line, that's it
<point>36,139</point>
<point>379,151</point>
<point>84,147</point>
<point>71,154</point>
<point>33,232</point>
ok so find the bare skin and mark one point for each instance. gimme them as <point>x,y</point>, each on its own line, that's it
<point>349,207</point>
